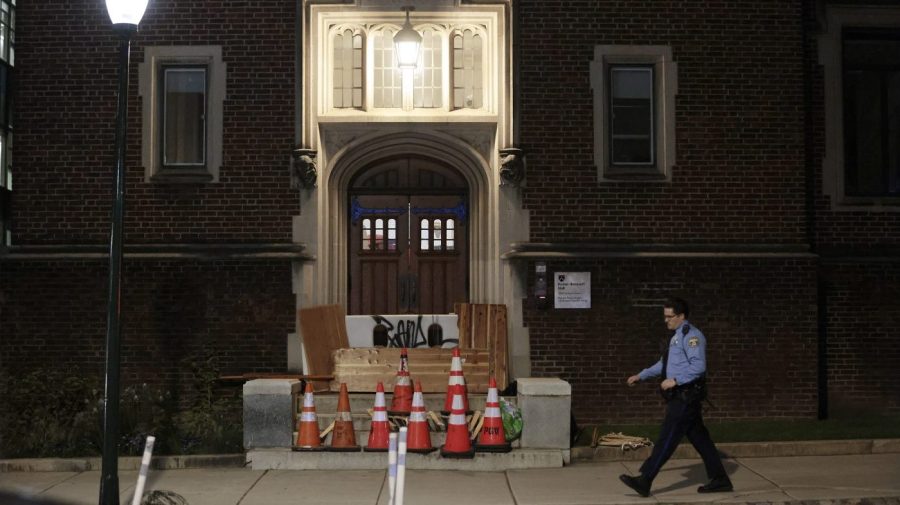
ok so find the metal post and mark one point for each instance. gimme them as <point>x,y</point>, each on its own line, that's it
<point>109,480</point>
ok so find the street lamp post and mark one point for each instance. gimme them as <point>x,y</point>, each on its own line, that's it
<point>125,16</point>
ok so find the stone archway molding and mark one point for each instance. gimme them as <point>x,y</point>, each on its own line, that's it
<point>341,166</point>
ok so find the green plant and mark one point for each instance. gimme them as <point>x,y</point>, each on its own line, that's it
<point>213,422</point>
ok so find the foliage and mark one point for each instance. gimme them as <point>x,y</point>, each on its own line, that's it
<point>59,413</point>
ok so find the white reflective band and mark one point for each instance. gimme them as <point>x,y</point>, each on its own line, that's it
<point>417,417</point>
<point>417,400</point>
<point>308,400</point>
<point>379,399</point>
<point>402,380</point>
<point>492,412</point>
<point>457,403</point>
<point>457,380</point>
<point>344,416</point>
<point>457,419</point>
<point>492,395</point>
<point>455,364</point>
<point>380,415</point>
<point>308,416</point>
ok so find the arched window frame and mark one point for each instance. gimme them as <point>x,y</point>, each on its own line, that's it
<point>477,31</point>
<point>355,31</point>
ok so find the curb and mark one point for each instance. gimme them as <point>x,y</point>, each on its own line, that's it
<point>750,450</point>
<point>885,500</point>
<point>125,463</point>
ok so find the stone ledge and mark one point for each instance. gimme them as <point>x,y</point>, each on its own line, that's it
<point>125,463</point>
<point>533,386</point>
<point>271,387</point>
<point>285,459</point>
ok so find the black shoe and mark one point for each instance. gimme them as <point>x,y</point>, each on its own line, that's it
<point>717,485</point>
<point>639,484</point>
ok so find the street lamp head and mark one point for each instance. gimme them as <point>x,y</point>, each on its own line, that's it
<point>126,12</point>
<point>407,42</point>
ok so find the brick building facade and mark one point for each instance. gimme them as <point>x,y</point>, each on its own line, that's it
<point>792,281</point>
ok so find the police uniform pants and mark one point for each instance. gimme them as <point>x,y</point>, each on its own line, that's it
<point>683,418</point>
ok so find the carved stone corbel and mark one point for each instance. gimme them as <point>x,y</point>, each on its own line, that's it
<point>512,166</point>
<point>304,171</point>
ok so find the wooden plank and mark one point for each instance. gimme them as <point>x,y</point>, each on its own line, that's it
<point>367,382</point>
<point>324,330</point>
<point>361,369</point>
<point>391,355</point>
<point>464,322</point>
<point>480,325</point>
<point>499,356</point>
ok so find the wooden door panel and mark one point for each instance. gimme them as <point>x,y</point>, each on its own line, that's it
<point>378,292</point>
<point>376,259</point>
<point>441,284</point>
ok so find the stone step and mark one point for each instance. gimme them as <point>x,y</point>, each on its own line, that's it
<point>326,402</point>
<point>285,459</point>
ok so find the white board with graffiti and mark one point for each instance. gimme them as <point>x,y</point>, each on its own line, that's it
<point>403,330</point>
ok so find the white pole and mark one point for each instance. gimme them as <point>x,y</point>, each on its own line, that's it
<point>142,475</point>
<point>401,468</point>
<point>392,466</point>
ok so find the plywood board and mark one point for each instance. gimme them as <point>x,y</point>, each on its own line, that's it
<point>323,331</point>
<point>361,369</point>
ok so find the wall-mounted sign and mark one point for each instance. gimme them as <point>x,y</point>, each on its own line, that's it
<point>573,290</point>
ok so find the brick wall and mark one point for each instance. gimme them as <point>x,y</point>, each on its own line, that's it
<point>54,314</point>
<point>863,348</point>
<point>66,62</point>
<point>739,173</point>
<point>759,317</point>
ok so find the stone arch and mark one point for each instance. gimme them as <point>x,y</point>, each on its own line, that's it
<point>364,151</point>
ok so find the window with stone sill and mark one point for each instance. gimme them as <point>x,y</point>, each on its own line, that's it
<point>634,89</point>
<point>182,90</point>
<point>858,50</point>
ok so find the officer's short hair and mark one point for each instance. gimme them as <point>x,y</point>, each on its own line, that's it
<point>678,306</point>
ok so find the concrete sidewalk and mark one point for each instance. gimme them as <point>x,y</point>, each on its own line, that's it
<point>849,478</point>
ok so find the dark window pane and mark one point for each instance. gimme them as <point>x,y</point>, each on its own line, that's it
<point>871,80</point>
<point>184,123</point>
<point>631,115</point>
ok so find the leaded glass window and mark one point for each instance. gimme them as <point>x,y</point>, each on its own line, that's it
<point>427,86</point>
<point>468,92</point>
<point>387,85</point>
<point>347,77</point>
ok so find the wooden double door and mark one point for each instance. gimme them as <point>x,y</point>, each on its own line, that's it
<point>408,244</point>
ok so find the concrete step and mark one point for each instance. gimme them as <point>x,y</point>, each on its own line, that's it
<point>285,459</point>
<point>326,402</point>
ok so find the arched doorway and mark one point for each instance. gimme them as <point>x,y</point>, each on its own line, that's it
<point>408,250</point>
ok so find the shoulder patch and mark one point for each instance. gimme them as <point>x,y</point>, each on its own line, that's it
<point>694,341</point>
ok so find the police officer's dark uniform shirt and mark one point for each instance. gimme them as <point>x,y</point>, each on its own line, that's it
<point>687,356</point>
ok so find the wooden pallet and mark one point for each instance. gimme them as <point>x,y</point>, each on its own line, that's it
<point>361,369</point>
<point>483,326</point>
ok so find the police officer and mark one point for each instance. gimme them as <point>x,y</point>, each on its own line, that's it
<point>683,368</point>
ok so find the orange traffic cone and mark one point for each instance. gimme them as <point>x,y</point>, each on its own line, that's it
<point>403,391</point>
<point>456,385</point>
<point>458,444</point>
<point>343,438</point>
<point>492,437</point>
<point>418,438</point>
<point>380,431</point>
<point>308,429</point>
